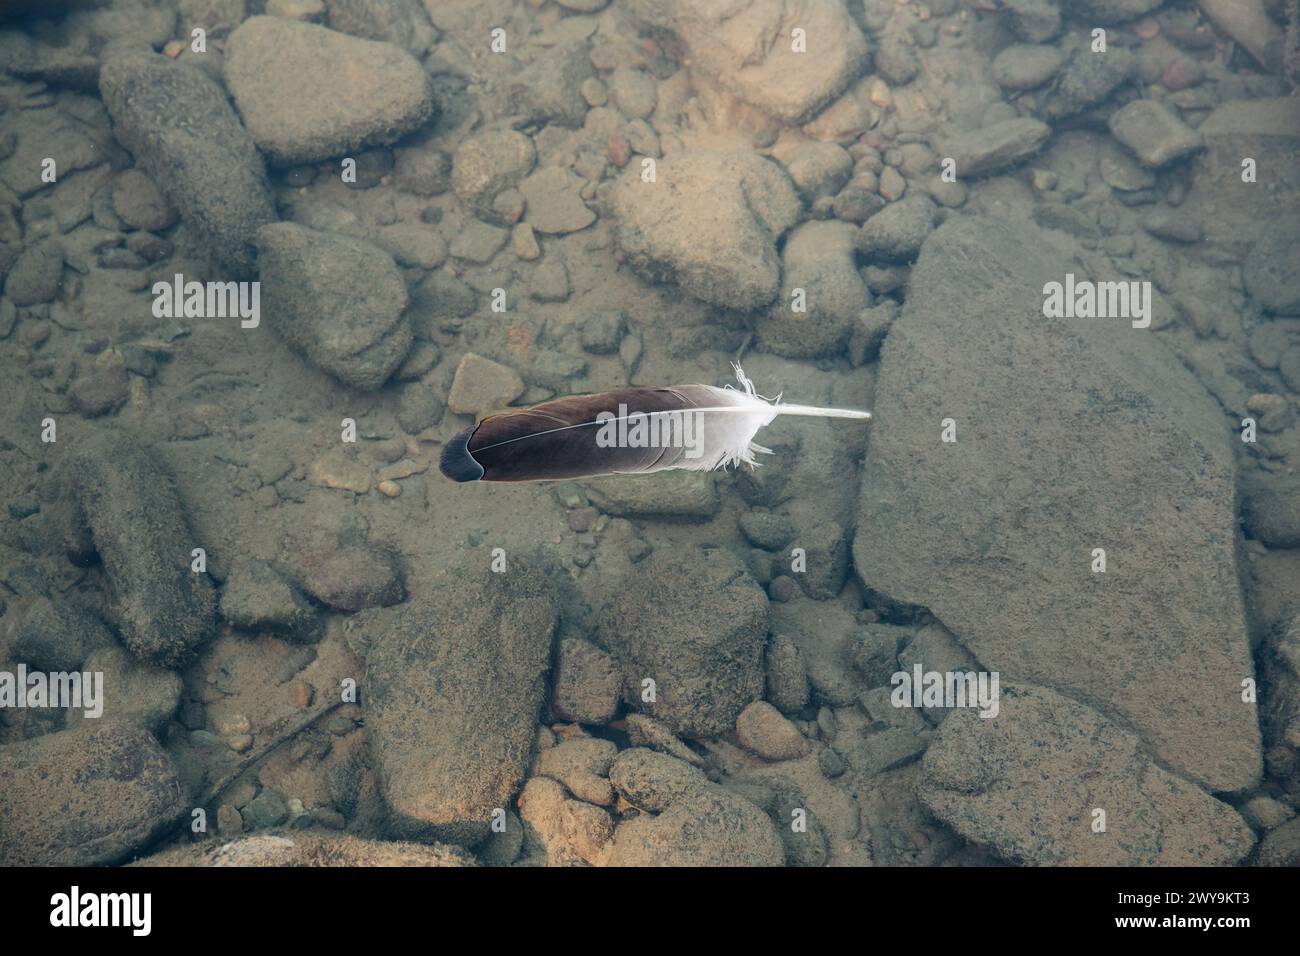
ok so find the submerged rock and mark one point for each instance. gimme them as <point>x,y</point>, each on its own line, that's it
<point>709,223</point>
<point>748,49</point>
<point>309,848</point>
<point>84,797</point>
<point>452,692</point>
<point>163,610</point>
<point>340,301</point>
<point>488,163</point>
<point>1060,426</point>
<point>54,636</point>
<point>695,625</point>
<point>818,260</point>
<point>1156,136</point>
<point>183,132</point>
<point>994,148</point>
<point>690,821</point>
<point>1027,784</point>
<point>308,93</point>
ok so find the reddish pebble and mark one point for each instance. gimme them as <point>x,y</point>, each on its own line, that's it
<point>302,695</point>
<point>1181,74</point>
<point>618,150</point>
<point>1146,29</point>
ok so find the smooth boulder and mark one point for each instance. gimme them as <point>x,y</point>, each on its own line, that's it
<point>308,93</point>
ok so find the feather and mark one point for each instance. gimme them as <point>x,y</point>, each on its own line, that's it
<point>624,431</point>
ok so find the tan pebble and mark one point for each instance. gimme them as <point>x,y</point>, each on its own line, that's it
<point>139,392</point>
<point>241,743</point>
<point>390,489</point>
<point>878,93</point>
<point>523,242</point>
<point>174,48</point>
<point>234,725</point>
<point>403,469</point>
<point>333,470</point>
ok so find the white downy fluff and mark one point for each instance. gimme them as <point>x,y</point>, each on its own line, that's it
<point>728,437</point>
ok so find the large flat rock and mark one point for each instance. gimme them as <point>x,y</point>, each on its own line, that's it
<point>1072,434</point>
<point>1029,782</point>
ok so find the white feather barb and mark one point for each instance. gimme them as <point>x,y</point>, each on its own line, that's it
<point>729,439</point>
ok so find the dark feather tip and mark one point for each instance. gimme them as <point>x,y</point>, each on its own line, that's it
<point>457,463</point>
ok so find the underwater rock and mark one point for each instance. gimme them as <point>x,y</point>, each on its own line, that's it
<point>1027,784</point>
<point>256,596</point>
<point>746,47</point>
<point>1060,425</point>
<point>1280,667</point>
<point>560,830</point>
<point>55,636</point>
<point>1271,509</point>
<point>453,688</point>
<point>353,577</point>
<point>708,223</point>
<point>675,494</point>
<point>84,797</point>
<point>309,848</point>
<point>761,729</point>
<point>487,163</point>
<point>308,93</point>
<point>1086,80</point>
<point>703,649</point>
<point>1155,135</point>
<point>482,385</point>
<point>1270,274</point>
<point>181,129</point>
<point>896,232</point>
<point>690,821</point>
<point>1024,66</point>
<point>817,259</point>
<point>136,692</point>
<point>587,683</point>
<point>403,22</point>
<point>582,765</point>
<point>1033,21</point>
<point>549,90</point>
<point>35,277</point>
<point>554,204</point>
<point>339,301</point>
<point>162,609</point>
<point>993,148</point>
